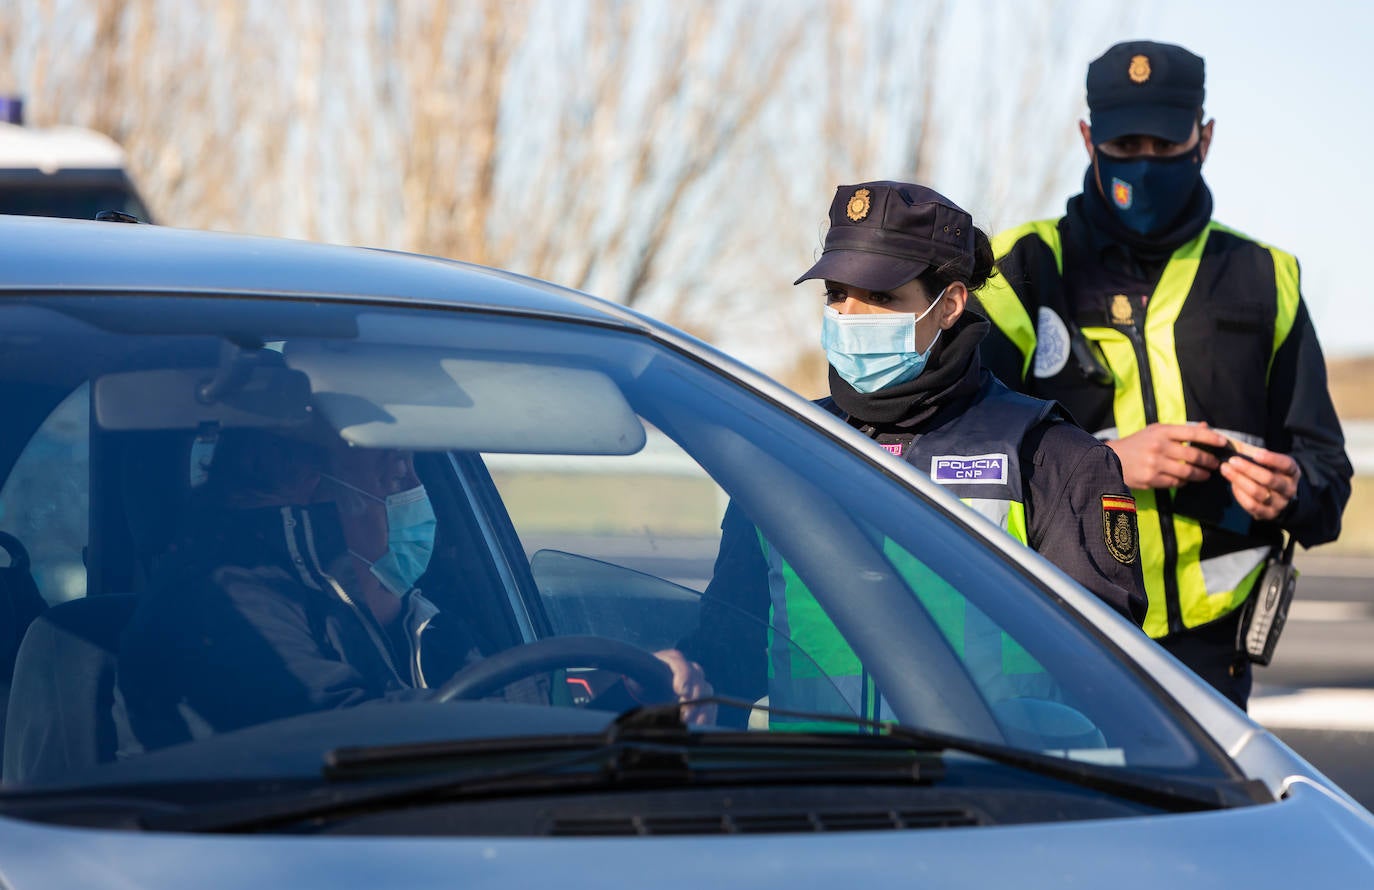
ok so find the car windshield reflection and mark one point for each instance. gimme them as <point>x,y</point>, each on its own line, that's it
<point>245,533</point>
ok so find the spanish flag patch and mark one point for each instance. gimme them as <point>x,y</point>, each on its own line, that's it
<point>1119,528</point>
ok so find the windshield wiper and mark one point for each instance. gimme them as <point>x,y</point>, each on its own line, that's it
<point>643,748</point>
<point>651,746</point>
<point>1173,794</point>
<point>662,723</point>
<point>640,732</point>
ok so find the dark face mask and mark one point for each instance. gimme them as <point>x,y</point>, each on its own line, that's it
<point>1147,194</point>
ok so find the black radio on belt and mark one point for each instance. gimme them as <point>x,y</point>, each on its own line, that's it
<point>1267,609</point>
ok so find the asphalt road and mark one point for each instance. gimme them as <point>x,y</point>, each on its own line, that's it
<point>1329,638</point>
<point>1318,694</point>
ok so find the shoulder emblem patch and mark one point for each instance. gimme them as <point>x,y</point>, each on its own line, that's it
<point>1051,344</point>
<point>1119,528</point>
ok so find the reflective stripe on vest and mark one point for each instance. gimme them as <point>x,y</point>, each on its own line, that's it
<point>1287,285</point>
<point>1000,302</point>
<point>1010,515</point>
<point>1207,589</point>
<point>811,668</point>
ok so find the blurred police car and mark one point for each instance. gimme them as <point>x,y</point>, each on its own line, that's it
<point>61,171</point>
<point>576,461</point>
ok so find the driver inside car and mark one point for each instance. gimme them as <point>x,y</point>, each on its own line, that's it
<point>292,589</point>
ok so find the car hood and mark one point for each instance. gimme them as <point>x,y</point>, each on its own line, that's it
<point>1311,835</point>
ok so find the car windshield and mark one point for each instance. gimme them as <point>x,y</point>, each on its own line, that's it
<point>264,530</point>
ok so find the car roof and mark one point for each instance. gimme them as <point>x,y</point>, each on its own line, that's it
<point>42,254</point>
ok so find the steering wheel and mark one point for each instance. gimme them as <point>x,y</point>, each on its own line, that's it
<point>490,674</point>
<point>19,557</point>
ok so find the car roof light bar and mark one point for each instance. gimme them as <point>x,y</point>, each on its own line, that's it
<point>11,109</point>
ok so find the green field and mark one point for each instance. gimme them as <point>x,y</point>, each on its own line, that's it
<point>1349,380</point>
<point>544,503</point>
<point>651,504</point>
<point>1357,526</point>
<point>612,504</point>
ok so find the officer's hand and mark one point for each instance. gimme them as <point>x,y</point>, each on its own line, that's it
<point>1164,455</point>
<point>1265,483</point>
<point>689,682</point>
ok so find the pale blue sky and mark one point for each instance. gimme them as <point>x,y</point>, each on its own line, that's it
<point>1291,86</point>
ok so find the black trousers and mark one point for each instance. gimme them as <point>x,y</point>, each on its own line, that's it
<point>1210,650</point>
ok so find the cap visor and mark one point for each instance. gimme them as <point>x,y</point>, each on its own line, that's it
<point>1162,121</point>
<point>870,271</point>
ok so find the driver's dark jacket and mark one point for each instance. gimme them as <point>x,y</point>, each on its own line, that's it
<point>252,620</point>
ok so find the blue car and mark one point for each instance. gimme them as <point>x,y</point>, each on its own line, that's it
<point>333,567</point>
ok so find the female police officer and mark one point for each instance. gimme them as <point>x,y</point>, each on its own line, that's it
<point>899,263</point>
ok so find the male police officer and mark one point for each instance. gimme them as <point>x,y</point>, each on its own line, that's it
<point>1173,338</point>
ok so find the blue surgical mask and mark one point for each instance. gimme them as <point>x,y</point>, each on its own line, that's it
<point>873,352</point>
<point>1148,194</point>
<point>410,528</point>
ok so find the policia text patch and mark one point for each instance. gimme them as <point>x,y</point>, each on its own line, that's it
<point>1119,528</point>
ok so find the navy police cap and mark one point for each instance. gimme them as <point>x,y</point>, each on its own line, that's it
<point>1144,88</point>
<point>884,234</point>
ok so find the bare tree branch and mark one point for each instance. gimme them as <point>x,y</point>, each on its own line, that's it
<point>927,137</point>
<point>673,156</point>
<point>717,144</point>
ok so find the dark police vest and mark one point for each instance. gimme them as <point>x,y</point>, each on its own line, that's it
<point>1199,347</point>
<point>976,455</point>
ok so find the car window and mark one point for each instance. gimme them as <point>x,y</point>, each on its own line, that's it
<point>655,511</point>
<point>303,512</point>
<point>45,499</point>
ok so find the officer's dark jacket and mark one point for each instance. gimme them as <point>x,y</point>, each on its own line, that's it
<point>253,621</point>
<point>1065,474</point>
<point>1210,328</point>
